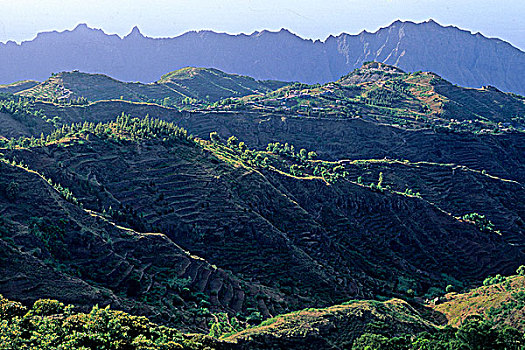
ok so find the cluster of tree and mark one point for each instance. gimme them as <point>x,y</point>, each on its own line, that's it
<point>13,188</point>
<point>50,324</point>
<point>51,234</point>
<point>329,172</point>
<point>79,101</point>
<point>126,215</point>
<point>288,150</point>
<point>382,97</point>
<point>481,222</point>
<point>296,163</point>
<point>222,325</point>
<point>23,110</point>
<point>475,333</point>
<point>124,127</point>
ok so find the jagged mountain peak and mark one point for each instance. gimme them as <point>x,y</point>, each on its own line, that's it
<point>457,55</point>
<point>81,27</point>
<point>135,33</point>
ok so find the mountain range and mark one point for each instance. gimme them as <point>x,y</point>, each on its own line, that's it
<point>457,55</point>
<point>236,213</point>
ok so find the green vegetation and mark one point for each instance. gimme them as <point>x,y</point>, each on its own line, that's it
<point>474,333</point>
<point>22,110</point>
<point>224,234</point>
<point>481,222</point>
<point>49,324</point>
<point>384,94</point>
<point>123,128</point>
<point>185,88</point>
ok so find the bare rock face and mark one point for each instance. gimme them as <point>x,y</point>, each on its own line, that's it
<point>459,56</point>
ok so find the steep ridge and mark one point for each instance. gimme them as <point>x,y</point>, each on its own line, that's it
<point>457,55</point>
<point>201,84</point>
<point>55,249</point>
<point>18,86</point>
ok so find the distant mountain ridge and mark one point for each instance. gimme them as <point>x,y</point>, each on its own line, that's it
<point>457,55</point>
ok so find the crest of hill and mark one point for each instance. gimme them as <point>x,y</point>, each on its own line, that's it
<point>385,93</point>
<point>334,327</point>
<point>202,84</point>
<point>18,86</point>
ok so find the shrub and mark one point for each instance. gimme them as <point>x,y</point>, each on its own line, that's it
<point>47,307</point>
<point>214,137</point>
<point>12,190</point>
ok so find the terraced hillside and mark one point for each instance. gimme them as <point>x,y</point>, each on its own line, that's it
<point>332,138</point>
<point>315,242</point>
<point>456,189</point>
<point>336,327</point>
<point>386,94</point>
<point>336,139</point>
<point>188,84</point>
<point>428,119</point>
<point>53,248</point>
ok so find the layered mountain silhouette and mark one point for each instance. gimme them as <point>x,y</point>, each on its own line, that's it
<point>457,55</point>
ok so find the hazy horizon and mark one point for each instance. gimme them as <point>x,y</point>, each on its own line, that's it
<point>23,20</point>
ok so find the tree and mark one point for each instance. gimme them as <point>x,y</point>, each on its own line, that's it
<point>303,154</point>
<point>380,182</point>
<point>232,141</point>
<point>521,270</point>
<point>214,137</point>
<point>12,190</point>
<point>242,146</point>
<point>370,341</point>
<point>477,334</point>
<point>312,155</point>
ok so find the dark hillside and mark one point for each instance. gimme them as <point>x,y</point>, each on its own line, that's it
<point>54,248</point>
<point>288,232</point>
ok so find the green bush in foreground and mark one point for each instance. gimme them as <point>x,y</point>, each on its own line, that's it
<point>474,334</point>
<point>50,324</point>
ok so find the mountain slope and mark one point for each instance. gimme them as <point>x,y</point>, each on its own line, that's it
<point>315,242</point>
<point>52,248</point>
<point>203,84</point>
<point>501,299</point>
<point>335,327</point>
<point>457,55</point>
<point>419,117</point>
<point>18,86</point>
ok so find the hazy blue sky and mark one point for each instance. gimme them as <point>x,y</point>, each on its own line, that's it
<point>22,19</point>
